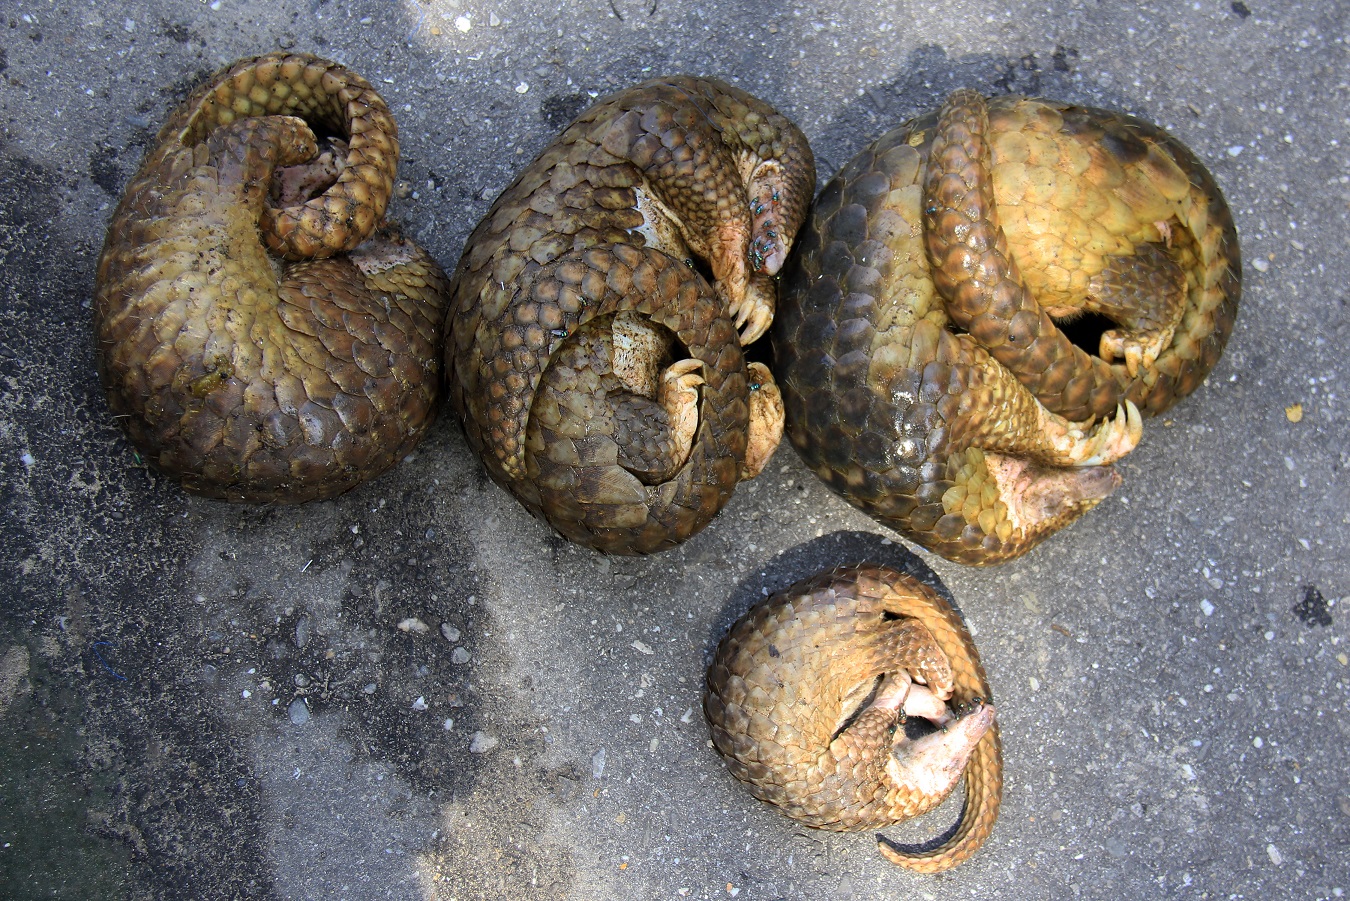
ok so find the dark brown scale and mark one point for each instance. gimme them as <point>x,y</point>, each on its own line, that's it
<point>562,246</point>
<point>925,375</point>
<point>248,379</point>
<point>788,705</point>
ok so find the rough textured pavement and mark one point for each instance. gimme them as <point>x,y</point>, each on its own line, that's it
<point>416,692</point>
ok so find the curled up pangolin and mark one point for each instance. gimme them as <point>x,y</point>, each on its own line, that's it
<point>808,695</point>
<point>262,334</point>
<point>923,342</point>
<point>597,370</point>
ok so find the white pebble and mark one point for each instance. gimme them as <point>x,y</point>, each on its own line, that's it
<point>459,655</point>
<point>413,624</point>
<point>482,743</point>
<point>522,88</point>
<point>27,460</point>
<point>598,764</point>
<point>1274,854</point>
<point>450,632</point>
<point>642,647</point>
<point>420,703</point>
<point>493,20</point>
<point>1260,265</point>
<point>1232,151</point>
<point>448,724</point>
<point>463,24</point>
<point>129,26</point>
<point>1258,742</point>
<point>1206,607</point>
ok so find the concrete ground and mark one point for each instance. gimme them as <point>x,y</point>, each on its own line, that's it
<point>416,692</point>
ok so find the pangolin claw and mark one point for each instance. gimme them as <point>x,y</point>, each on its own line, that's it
<point>1115,437</point>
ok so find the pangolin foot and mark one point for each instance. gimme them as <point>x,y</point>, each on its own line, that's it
<point>678,395</point>
<point>1138,349</point>
<point>766,421</point>
<point>1106,443</point>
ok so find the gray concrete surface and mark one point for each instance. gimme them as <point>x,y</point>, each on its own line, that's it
<point>206,701</point>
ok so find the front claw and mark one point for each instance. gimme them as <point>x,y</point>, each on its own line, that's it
<point>682,377</point>
<point>1114,438</point>
<point>753,314</point>
<point>1138,351</point>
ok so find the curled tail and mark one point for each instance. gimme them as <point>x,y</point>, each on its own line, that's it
<point>984,770</point>
<point>322,93</point>
<point>555,418</point>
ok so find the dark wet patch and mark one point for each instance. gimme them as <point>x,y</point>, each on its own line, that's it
<point>177,31</point>
<point>104,171</point>
<point>168,799</point>
<point>49,801</point>
<point>1313,610</point>
<point>1063,59</point>
<point>1020,76</point>
<point>560,109</point>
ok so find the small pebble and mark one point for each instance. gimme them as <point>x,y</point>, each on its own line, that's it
<point>598,764</point>
<point>420,703</point>
<point>1235,150</point>
<point>303,631</point>
<point>1260,265</point>
<point>448,724</point>
<point>298,711</point>
<point>370,688</point>
<point>493,20</point>
<point>413,624</point>
<point>450,632</point>
<point>463,23</point>
<point>642,647</point>
<point>481,743</point>
<point>1274,854</point>
<point>1206,607</point>
<point>460,655</point>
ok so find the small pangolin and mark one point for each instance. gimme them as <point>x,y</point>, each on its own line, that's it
<point>928,340</point>
<point>262,334</point>
<point>808,694</point>
<point>597,370</point>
